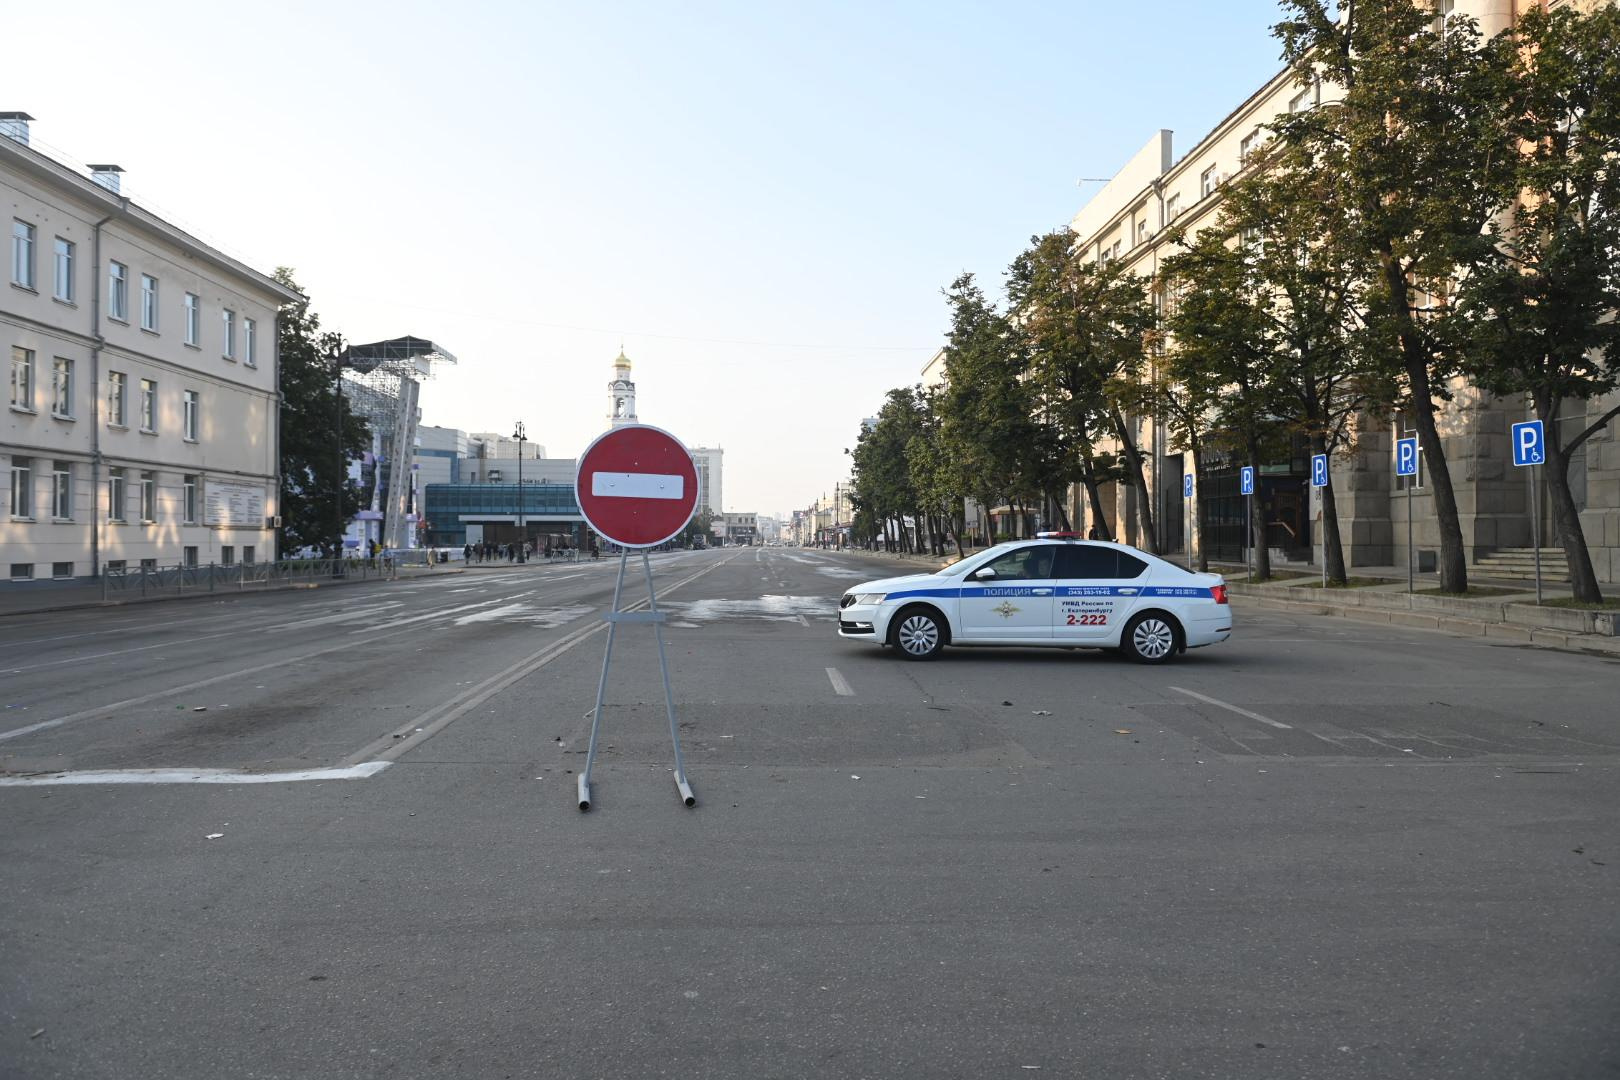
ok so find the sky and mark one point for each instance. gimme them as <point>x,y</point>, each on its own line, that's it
<point>761,202</point>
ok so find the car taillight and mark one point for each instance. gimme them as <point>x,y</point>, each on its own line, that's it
<point>1219,593</point>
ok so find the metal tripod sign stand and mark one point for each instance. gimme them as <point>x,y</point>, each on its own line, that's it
<point>637,486</point>
<point>614,618</point>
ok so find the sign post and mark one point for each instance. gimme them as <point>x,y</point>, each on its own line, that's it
<point>1187,493</point>
<point>1319,480</point>
<point>1406,464</point>
<point>636,486</point>
<point>1246,489</point>
<point>1530,449</point>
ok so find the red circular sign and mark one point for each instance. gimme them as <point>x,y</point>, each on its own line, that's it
<point>637,485</point>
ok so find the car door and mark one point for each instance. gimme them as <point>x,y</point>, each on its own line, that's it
<point>1097,588</point>
<point>1011,602</point>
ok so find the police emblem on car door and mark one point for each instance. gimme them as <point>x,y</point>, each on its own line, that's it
<point>1009,597</point>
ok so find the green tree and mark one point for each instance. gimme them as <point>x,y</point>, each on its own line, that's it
<point>1544,281</point>
<point>1088,328</point>
<point>1414,139</point>
<point>1219,333</point>
<point>313,479</point>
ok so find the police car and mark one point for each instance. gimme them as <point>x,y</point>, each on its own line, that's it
<point>1052,591</point>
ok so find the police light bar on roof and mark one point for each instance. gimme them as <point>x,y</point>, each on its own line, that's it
<point>1058,536</point>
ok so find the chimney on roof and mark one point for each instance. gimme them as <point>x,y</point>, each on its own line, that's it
<point>14,125</point>
<point>107,176</point>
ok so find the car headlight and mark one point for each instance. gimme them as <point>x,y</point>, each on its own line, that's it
<point>869,598</point>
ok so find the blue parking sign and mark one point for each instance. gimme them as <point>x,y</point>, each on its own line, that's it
<point>1319,472</point>
<point>1246,480</point>
<point>1186,486</point>
<point>1406,457</point>
<point>1528,445</point>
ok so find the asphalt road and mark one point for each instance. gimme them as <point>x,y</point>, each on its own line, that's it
<point>1322,849</point>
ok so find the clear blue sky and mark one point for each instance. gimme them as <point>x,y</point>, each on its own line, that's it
<point>762,201</point>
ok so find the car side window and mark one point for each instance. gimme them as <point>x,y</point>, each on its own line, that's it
<point>1130,566</point>
<point>1025,564</point>
<point>1086,562</point>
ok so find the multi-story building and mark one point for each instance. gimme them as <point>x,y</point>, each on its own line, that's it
<point>708,460</point>
<point>1126,221</point>
<point>142,421</point>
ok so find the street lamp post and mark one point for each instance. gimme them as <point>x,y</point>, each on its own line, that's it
<point>342,465</point>
<point>523,537</point>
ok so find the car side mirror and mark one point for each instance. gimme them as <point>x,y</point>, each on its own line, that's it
<point>983,573</point>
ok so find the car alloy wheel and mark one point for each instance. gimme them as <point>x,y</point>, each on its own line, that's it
<point>918,636</point>
<point>1150,639</point>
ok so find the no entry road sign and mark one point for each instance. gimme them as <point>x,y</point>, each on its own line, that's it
<point>637,485</point>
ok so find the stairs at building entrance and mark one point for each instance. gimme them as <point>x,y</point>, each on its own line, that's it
<point>1521,563</point>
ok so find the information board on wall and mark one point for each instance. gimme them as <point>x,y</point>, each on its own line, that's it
<point>233,506</point>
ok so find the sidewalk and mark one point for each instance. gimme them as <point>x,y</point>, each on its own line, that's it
<point>35,599</point>
<point>1509,615</point>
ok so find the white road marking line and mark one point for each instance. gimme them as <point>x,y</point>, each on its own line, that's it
<point>840,684</point>
<point>342,616</point>
<point>441,613</point>
<point>192,776</point>
<point>804,622</point>
<point>1233,708</point>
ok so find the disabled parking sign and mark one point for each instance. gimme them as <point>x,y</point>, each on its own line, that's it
<point>1246,480</point>
<point>1186,486</point>
<point>1406,457</point>
<point>1529,446</point>
<point>1319,470</point>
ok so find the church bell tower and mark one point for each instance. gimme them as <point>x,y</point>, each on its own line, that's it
<point>621,393</point>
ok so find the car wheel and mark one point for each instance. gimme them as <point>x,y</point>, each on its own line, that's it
<point>1150,638</point>
<point>919,634</point>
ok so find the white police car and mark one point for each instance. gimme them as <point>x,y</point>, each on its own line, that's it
<point>1051,591</point>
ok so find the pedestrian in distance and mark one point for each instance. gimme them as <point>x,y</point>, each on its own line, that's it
<point>1091,534</point>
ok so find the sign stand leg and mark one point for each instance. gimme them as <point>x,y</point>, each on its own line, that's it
<point>601,688</point>
<point>669,698</point>
<point>1248,536</point>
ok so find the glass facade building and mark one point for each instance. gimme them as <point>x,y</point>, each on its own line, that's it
<point>548,510</point>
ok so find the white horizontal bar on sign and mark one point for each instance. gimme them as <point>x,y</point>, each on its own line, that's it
<point>635,485</point>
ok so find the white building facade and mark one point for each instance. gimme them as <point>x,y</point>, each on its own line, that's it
<point>142,419</point>
<point>710,463</point>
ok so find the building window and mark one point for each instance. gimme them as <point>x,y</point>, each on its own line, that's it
<point>247,555</point>
<point>193,319</point>
<point>22,571</point>
<point>22,378</point>
<point>149,303</point>
<point>188,506</point>
<point>148,405</point>
<point>227,555</point>
<point>62,388</point>
<point>62,490</point>
<point>116,566</point>
<point>1172,207</point>
<point>61,570</point>
<point>250,345</point>
<point>115,493</point>
<point>1251,143</point>
<point>22,487</point>
<point>118,291</point>
<point>64,270</point>
<point>1207,181</point>
<point>149,497</point>
<point>148,566</point>
<point>193,401</point>
<point>1113,252</point>
<point>1302,100</point>
<point>22,254</point>
<point>1142,231</point>
<point>228,317</point>
<point>117,399</point>
<point>190,557</point>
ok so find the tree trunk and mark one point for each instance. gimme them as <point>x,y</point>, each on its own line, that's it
<point>1582,578</point>
<point>1332,546</point>
<point>1257,518</point>
<point>1415,360</point>
<point>1196,526</point>
<point>1133,468</point>
<point>1062,514</point>
<point>1094,493</point>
